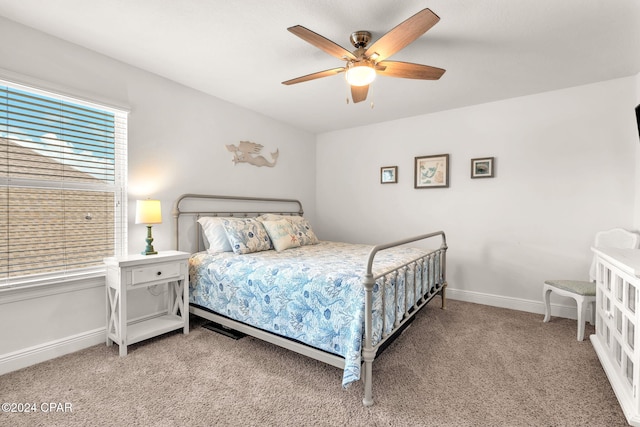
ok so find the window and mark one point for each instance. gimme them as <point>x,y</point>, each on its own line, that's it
<point>62,185</point>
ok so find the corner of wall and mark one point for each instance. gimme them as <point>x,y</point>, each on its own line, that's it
<point>636,211</point>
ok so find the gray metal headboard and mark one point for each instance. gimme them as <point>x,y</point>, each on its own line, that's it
<point>198,205</point>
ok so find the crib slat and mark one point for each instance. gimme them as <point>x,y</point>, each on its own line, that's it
<point>432,273</point>
<point>423,289</point>
<point>396,317</point>
<point>383,291</point>
<point>406,292</point>
<point>416,295</point>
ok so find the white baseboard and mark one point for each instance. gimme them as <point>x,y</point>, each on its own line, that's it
<point>529,306</point>
<point>30,356</point>
<point>39,353</point>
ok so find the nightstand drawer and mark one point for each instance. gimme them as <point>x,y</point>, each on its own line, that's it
<point>153,273</point>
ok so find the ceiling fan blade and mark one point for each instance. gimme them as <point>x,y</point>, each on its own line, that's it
<point>314,76</point>
<point>402,34</point>
<point>359,93</point>
<point>321,42</point>
<point>408,70</point>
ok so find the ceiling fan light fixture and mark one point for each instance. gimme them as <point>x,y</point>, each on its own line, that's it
<point>360,74</point>
<point>366,61</point>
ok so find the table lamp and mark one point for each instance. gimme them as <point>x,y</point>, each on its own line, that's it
<point>148,212</point>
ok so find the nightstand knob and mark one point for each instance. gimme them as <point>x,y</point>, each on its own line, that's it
<point>159,273</point>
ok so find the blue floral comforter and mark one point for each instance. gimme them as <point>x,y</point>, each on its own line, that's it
<point>313,294</point>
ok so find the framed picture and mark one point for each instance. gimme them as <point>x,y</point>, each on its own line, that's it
<point>482,168</point>
<point>389,175</point>
<point>431,171</point>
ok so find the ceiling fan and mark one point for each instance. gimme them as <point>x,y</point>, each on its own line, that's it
<point>365,62</point>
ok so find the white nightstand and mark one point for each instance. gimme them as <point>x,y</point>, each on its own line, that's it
<point>168,268</point>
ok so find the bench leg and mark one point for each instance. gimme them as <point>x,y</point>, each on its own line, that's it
<point>592,318</point>
<point>546,296</point>
<point>582,314</point>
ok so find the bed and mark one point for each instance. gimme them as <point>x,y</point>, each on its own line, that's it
<point>257,267</point>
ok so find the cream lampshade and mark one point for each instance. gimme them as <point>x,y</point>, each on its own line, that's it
<point>148,212</point>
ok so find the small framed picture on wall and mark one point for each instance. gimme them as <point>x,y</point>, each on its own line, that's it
<point>482,167</point>
<point>431,171</point>
<point>389,175</point>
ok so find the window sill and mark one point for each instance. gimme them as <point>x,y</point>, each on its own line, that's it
<point>36,288</point>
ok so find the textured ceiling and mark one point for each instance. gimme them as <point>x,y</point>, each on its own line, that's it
<point>240,50</point>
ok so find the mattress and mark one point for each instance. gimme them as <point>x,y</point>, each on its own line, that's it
<point>313,294</point>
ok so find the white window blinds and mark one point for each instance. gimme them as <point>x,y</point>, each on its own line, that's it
<point>62,185</point>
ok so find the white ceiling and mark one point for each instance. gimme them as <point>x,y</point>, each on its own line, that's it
<point>241,51</point>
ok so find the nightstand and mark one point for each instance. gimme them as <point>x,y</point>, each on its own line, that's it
<point>169,269</point>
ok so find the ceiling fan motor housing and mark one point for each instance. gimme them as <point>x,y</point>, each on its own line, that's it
<point>360,39</point>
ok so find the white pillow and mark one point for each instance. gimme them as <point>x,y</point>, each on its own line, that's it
<point>281,234</point>
<point>215,233</point>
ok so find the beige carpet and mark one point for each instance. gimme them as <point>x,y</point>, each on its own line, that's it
<point>469,365</point>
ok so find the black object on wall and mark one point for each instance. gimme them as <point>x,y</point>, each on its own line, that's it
<point>638,118</point>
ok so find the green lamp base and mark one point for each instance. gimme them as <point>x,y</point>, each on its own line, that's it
<point>149,249</point>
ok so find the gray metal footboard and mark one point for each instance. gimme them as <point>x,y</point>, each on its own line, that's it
<point>428,275</point>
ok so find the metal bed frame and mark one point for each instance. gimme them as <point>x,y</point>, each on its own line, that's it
<point>434,260</point>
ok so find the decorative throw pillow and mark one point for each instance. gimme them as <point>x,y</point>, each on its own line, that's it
<point>301,227</point>
<point>215,236</point>
<point>246,235</point>
<point>281,234</point>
